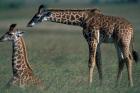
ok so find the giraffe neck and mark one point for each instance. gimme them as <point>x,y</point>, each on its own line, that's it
<point>19,57</point>
<point>69,17</point>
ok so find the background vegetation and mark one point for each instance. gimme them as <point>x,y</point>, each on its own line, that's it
<point>58,53</point>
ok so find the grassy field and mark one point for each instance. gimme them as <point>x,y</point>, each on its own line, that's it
<point>58,54</point>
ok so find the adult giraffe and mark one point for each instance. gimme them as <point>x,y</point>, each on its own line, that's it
<point>97,28</point>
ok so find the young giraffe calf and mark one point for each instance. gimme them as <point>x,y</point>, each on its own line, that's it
<point>22,72</point>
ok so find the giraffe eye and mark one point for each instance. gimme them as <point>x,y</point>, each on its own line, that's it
<point>37,16</point>
<point>9,34</point>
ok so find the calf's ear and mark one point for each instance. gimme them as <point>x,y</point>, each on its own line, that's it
<point>41,9</point>
<point>12,27</point>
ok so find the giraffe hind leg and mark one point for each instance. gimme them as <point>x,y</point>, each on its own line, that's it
<point>120,63</point>
<point>129,68</point>
<point>128,61</point>
<point>120,69</point>
<point>36,82</point>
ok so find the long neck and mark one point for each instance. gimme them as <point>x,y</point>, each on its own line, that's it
<point>19,57</point>
<point>70,17</point>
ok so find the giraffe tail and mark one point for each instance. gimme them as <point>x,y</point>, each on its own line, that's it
<point>134,53</point>
<point>135,56</point>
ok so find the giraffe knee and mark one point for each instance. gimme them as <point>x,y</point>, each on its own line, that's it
<point>130,56</point>
<point>127,60</point>
<point>91,64</point>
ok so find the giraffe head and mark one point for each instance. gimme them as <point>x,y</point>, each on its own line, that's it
<point>40,16</point>
<point>12,35</point>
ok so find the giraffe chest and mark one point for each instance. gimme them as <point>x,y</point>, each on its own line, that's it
<point>104,37</point>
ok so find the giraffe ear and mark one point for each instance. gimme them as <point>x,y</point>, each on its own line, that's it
<point>48,13</point>
<point>97,11</point>
<point>20,33</point>
<point>41,9</point>
<point>12,27</point>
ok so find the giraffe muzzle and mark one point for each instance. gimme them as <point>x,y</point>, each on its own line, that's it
<point>29,25</point>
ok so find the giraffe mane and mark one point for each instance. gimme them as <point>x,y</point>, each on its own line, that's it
<point>72,9</point>
<point>25,53</point>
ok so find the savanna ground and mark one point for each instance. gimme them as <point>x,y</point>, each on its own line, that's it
<point>58,54</point>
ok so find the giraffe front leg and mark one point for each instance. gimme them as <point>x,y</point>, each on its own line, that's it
<point>98,63</point>
<point>93,41</point>
<point>92,59</point>
<point>92,37</point>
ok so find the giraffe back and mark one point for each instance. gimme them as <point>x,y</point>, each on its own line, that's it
<point>111,27</point>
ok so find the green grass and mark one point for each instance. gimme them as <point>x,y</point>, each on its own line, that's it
<point>58,55</point>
